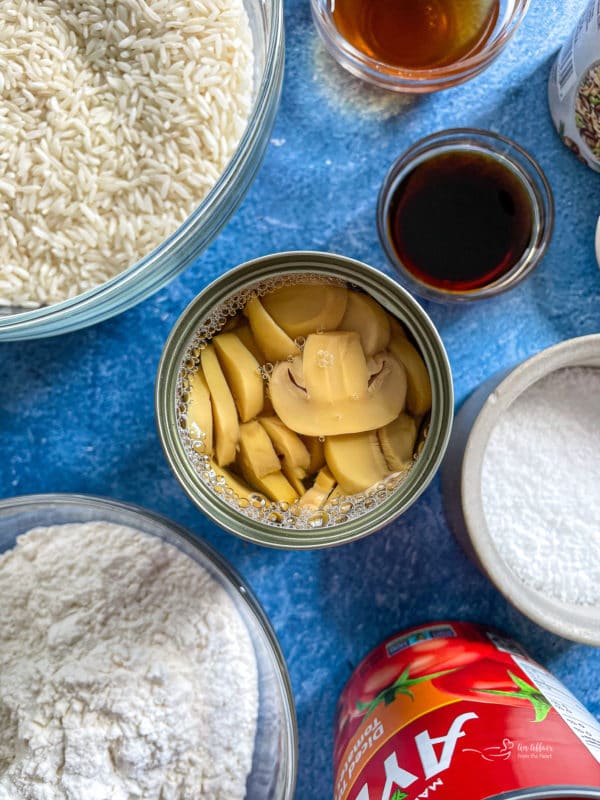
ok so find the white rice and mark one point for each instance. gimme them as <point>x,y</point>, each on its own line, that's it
<point>116,119</point>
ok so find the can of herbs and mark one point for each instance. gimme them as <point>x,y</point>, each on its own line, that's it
<point>458,710</point>
<point>574,89</point>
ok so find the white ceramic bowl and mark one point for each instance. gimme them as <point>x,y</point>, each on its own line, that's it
<point>273,772</point>
<point>461,484</point>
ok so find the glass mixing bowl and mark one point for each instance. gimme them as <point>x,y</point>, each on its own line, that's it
<point>185,245</point>
<point>273,774</point>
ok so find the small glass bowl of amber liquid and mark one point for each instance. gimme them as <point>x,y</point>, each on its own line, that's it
<point>416,46</point>
<point>464,214</point>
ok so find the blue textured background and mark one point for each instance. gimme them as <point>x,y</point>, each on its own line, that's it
<point>76,412</point>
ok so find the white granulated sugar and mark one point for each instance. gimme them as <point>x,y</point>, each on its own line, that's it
<point>116,119</point>
<point>125,672</point>
<point>541,486</point>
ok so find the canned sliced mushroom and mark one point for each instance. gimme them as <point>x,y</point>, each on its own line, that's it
<point>302,400</point>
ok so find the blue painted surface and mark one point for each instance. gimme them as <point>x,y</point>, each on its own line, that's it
<point>76,412</point>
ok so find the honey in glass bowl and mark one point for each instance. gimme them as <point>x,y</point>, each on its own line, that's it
<point>416,46</point>
<point>416,34</point>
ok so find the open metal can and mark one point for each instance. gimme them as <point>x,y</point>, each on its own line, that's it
<point>274,525</point>
<point>458,710</point>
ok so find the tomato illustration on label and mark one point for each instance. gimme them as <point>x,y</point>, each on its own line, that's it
<point>426,660</point>
<point>382,681</point>
<point>492,682</point>
<point>401,685</point>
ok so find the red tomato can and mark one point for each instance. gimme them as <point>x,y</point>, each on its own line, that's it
<point>455,711</point>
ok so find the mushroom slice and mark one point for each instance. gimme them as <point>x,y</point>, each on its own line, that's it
<point>319,492</point>
<point>278,488</point>
<point>245,336</point>
<point>328,391</point>
<point>242,371</point>
<point>356,461</point>
<point>295,476</point>
<point>260,466</point>
<point>334,367</point>
<point>398,441</point>
<point>286,443</point>
<point>241,489</point>
<point>306,308</point>
<point>225,418</point>
<point>418,393</point>
<point>272,340</point>
<point>396,327</point>
<point>292,450</point>
<point>199,417</point>
<point>314,446</point>
<point>365,316</point>
<point>256,453</point>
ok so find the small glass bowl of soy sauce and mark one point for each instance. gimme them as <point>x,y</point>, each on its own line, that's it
<point>464,214</point>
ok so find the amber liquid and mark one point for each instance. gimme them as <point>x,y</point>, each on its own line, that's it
<point>460,221</point>
<point>415,34</point>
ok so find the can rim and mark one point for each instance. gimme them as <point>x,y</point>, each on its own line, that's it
<point>558,791</point>
<point>396,300</point>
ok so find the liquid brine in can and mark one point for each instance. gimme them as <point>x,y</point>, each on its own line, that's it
<point>456,711</point>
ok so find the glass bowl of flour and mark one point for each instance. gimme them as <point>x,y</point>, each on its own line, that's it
<point>133,662</point>
<point>520,483</point>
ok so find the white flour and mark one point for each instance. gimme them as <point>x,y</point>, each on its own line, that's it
<point>125,672</point>
<point>541,486</point>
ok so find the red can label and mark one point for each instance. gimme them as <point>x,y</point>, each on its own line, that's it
<point>457,712</point>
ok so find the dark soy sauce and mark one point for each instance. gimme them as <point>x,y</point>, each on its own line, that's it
<point>460,220</point>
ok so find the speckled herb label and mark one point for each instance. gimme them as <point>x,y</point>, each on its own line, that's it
<point>574,89</point>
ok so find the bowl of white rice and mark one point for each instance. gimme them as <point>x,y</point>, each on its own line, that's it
<point>134,662</point>
<point>129,134</point>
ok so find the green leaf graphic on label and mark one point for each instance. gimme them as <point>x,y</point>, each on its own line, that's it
<point>398,795</point>
<point>401,685</point>
<point>524,691</point>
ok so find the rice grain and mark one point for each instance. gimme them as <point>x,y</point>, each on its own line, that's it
<point>116,119</point>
